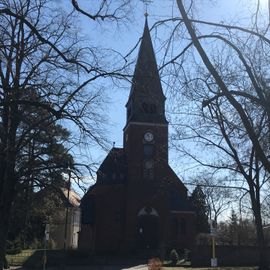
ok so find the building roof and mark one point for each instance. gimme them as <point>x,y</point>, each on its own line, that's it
<point>176,177</point>
<point>178,202</point>
<point>113,168</point>
<point>74,197</point>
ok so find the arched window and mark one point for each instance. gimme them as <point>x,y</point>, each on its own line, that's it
<point>148,150</point>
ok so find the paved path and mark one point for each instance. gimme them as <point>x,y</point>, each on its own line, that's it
<point>107,267</point>
<point>139,267</point>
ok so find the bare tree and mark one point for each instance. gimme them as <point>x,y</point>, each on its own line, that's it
<point>46,66</point>
<point>251,119</point>
<point>219,197</point>
<point>223,111</point>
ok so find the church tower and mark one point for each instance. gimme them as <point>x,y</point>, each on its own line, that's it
<point>138,203</point>
<point>146,130</point>
<point>150,180</point>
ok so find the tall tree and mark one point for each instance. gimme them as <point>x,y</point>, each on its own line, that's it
<point>252,114</point>
<point>218,196</point>
<point>43,164</point>
<point>46,67</point>
<point>233,227</point>
<point>223,73</point>
<point>198,202</point>
<point>236,231</point>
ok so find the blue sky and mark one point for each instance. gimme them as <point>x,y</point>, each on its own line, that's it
<point>122,38</point>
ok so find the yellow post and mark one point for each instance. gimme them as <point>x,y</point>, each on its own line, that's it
<point>213,247</point>
<point>213,232</point>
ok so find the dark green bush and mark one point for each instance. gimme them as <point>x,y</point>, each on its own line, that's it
<point>14,247</point>
<point>174,257</point>
<point>187,254</point>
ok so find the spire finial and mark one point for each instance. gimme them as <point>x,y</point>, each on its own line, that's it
<point>146,3</point>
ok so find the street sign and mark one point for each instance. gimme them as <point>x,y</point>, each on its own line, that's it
<point>47,228</point>
<point>214,262</point>
<point>213,231</point>
<point>213,227</point>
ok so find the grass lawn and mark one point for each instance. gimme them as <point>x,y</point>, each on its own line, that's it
<point>20,258</point>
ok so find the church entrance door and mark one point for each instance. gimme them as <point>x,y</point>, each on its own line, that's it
<point>148,231</point>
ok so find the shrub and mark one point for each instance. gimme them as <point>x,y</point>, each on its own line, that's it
<point>6,263</point>
<point>14,247</point>
<point>187,254</point>
<point>174,257</point>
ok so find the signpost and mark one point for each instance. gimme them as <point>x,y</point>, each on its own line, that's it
<point>46,239</point>
<point>213,233</point>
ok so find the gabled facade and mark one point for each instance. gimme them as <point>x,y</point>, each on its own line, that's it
<point>66,215</point>
<point>138,202</point>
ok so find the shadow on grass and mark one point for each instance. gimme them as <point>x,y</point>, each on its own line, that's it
<point>56,258</point>
<point>61,258</point>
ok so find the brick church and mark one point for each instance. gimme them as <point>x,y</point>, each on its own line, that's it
<point>138,202</point>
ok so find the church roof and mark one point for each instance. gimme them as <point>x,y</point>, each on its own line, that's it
<point>146,80</point>
<point>178,203</point>
<point>113,168</point>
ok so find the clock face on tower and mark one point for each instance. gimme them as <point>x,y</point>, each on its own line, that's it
<point>148,136</point>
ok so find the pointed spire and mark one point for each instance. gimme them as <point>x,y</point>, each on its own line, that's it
<point>146,72</point>
<point>146,86</point>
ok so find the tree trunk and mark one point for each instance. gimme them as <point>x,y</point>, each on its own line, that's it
<point>7,178</point>
<point>5,208</point>
<point>8,183</point>
<point>3,235</point>
<point>263,263</point>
